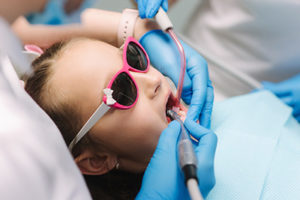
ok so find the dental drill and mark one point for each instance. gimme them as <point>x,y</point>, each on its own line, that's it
<point>166,25</point>
<point>187,159</point>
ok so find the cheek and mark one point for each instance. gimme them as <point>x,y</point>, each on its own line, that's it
<point>132,133</point>
<point>146,125</point>
<point>135,132</point>
<point>141,130</point>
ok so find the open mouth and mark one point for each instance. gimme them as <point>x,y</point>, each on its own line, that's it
<point>177,107</point>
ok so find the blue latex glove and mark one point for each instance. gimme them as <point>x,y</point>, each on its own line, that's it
<point>163,178</point>
<point>149,8</point>
<point>197,88</point>
<point>289,92</point>
<point>54,13</point>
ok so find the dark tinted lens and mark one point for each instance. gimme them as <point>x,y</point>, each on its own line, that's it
<point>135,56</point>
<point>124,90</point>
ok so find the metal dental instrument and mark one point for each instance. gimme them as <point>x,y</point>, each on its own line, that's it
<point>166,25</point>
<point>187,159</point>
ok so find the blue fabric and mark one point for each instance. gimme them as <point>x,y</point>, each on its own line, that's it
<point>283,179</point>
<point>54,14</point>
<point>258,152</point>
<point>288,91</point>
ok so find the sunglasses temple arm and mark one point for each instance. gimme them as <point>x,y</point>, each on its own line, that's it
<point>101,110</point>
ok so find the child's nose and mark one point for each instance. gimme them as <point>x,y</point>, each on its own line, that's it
<point>148,83</point>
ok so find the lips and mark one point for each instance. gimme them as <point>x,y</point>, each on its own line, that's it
<point>178,108</point>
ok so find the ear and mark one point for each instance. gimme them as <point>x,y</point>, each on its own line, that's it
<point>95,163</point>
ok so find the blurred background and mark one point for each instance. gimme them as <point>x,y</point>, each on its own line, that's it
<point>178,16</point>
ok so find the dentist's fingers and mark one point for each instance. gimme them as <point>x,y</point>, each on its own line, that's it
<point>142,8</point>
<point>205,116</point>
<point>207,147</point>
<point>199,76</point>
<point>196,130</point>
<point>205,152</point>
<point>165,5</point>
<point>207,141</point>
<point>153,6</point>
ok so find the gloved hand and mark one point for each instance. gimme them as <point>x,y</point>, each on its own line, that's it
<point>163,178</point>
<point>149,8</point>
<point>289,92</point>
<point>197,88</point>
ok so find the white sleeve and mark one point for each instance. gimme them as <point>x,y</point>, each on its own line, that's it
<point>34,160</point>
<point>35,163</point>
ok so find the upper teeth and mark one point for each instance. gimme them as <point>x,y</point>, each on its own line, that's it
<point>176,109</point>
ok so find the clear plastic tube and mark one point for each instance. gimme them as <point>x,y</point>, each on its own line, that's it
<point>182,64</point>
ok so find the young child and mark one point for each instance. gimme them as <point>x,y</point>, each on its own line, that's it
<point>68,84</point>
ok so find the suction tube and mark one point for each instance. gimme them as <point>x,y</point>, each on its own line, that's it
<point>166,25</point>
<point>182,64</point>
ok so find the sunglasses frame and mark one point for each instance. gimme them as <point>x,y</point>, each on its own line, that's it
<point>107,100</point>
<point>126,68</point>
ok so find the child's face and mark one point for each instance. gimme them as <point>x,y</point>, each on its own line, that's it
<point>81,74</point>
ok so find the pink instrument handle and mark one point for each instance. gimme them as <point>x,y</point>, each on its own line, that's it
<point>182,65</point>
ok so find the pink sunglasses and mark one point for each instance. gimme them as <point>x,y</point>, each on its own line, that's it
<point>122,90</point>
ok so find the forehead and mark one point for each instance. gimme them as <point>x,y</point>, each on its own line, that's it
<point>89,53</point>
<point>85,67</point>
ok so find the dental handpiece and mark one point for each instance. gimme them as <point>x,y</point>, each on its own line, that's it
<point>187,159</point>
<point>186,153</point>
